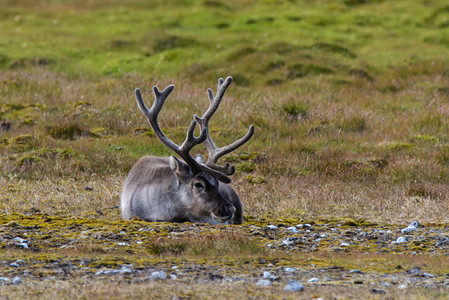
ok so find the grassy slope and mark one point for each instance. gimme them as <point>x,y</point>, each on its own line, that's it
<point>354,96</point>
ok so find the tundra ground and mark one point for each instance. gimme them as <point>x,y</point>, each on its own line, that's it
<point>350,102</point>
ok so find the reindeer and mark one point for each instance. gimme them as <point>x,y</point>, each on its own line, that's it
<point>188,190</point>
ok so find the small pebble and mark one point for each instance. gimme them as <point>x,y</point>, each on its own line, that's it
<point>402,286</point>
<point>123,244</point>
<point>412,227</point>
<point>293,229</point>
<point>24,245</point>
<point>415,270</point>
<point>294,286</point>
<point>125,270</point>
<point>400,240</point>
<point>4,279</point>
<point>288,269</point>
<point>173,276</point>
<point>344,244</point>
<point>287,242</point>
<point>14,265</point>
<point>272,227</point>
<point>17,280</point>
<point>264,282</point>
<point>355,271</point>
<point>268,275</point>
<point>428,275</point>
<point>378,291</point>
<point>159,275</point>
<point>19,240</point>
<point>313,279</point>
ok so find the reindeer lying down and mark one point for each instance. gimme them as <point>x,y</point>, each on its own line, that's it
<point>188,190</point>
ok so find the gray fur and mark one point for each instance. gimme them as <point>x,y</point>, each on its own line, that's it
<point>162,189</point>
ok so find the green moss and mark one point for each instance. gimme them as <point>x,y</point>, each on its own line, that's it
<point>246,167</point>
<point>255,179</point>
<point>28,160</point>
<point>399,146</point>
<point>23,139</point>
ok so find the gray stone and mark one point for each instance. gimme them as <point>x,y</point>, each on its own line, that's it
<point>264,282</point>
<point>294,286</point>
<point>17,280</point>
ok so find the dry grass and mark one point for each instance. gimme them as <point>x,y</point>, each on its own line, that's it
<point>85,289</point>
<point>355,150</point>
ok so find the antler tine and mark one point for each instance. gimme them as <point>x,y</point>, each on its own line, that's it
<point>152,115</point>
<point>214,152</point>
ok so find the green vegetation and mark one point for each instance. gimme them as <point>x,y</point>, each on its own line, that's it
<point>349,99</point>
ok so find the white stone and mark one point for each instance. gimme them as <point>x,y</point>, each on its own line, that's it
<point>159,275</point>
<point>19,240</point>
<point>17,280</point>
<point>287,242</point>
<point>264,282</point>
<point>293,229</point>
<point>400,240</point>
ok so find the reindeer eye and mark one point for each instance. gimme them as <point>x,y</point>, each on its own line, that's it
<point>198,185</point>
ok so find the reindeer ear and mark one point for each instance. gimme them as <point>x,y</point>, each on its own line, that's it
<point>181,169</point>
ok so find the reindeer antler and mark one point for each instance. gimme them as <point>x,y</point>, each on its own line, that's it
<point>214,152</point>
<point>191,141</point>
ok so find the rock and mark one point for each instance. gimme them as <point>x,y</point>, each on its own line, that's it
<point>313,279</point>
<point>17,280</point>
<point>14,265</point>
<point>344,244</point>
<point>125,270</point>
<point>412,227</point>
<point>268,275</point>
<point>173,276</point>
<point>107,272</point>
<point>293,229</point>
<point>290,270</point>
<point>19,240</point>
<point>287,242</point>
<point>402,286</point>
<point>356,271</point>
<point>123,244</point>
<point>4,279</point>
<point>428,275</point>
<point>158,275</point>
<point>415,270</point>
<point>294,286</point>
<point>378,291</point>
<point>272,227</point>
<point>263,282</point>
<point>400,240</point>
<point>24,245</point>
